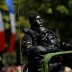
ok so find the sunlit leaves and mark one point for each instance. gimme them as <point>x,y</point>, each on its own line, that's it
<point>62,9</point>
<point>49,10</point>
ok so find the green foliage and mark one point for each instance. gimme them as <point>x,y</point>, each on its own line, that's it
<point>23,22</point>
<point>62,9</point>
<point>49,10</point>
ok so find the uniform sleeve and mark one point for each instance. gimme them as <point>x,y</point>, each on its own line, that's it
<point>27,41</point>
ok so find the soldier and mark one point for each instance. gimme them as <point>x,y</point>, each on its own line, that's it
<point>38,41</point>
<point>37,35</point>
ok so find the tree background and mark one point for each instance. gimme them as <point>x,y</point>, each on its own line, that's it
<point>57,15</point>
